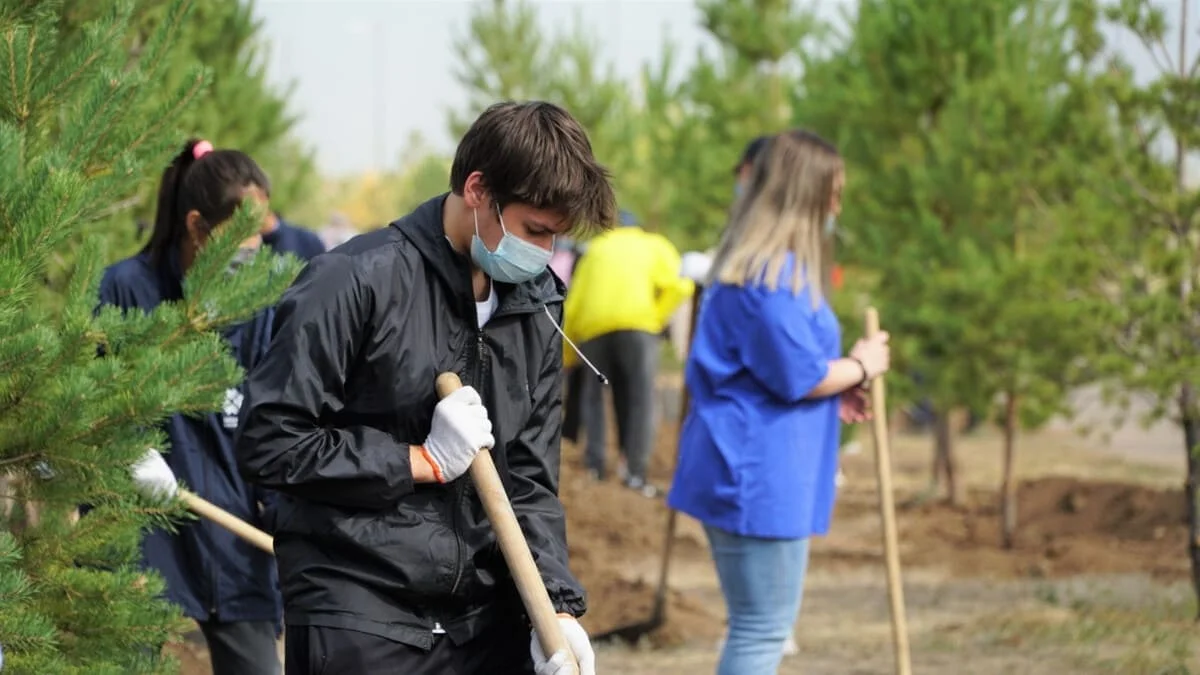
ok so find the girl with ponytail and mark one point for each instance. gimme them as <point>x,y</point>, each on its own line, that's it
<point>201,189</point>
<point>228,587</point>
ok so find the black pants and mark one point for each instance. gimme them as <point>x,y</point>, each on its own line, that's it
<point>630,360</point>
<point>573,416</point>
<point>316,650</point>
<point>242,647</point>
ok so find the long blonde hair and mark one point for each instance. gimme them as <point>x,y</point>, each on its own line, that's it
<point>785,206</point>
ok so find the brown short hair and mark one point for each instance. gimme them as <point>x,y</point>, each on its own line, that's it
<point>535,153</point>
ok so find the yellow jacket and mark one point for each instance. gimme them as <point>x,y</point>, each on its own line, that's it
<point>628,279</point>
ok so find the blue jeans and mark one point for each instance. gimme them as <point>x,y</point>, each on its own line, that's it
<point>762,581</point>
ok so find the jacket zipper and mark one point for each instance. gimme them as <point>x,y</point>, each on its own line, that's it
<point>460,489</point>
<point>460,492</point>
<point>479,358</point>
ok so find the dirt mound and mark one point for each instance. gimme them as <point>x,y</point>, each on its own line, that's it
<point>616,540</point>
<point>1065,527</point>
<point>1067,507</point>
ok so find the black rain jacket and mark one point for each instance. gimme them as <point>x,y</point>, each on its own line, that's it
<point>348,384</point>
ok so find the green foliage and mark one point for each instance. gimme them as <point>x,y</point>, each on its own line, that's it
<point>963,126</point>
<point>240,109</point>
<point>733,95</point>
<point>79,125</point>
<point>1147,259</point>
<point>673,149</point>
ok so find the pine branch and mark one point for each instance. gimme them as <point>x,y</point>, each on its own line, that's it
<point>19,459</point>
<point>161,118</point>
<point>102,46</point>
<point>118,207</point>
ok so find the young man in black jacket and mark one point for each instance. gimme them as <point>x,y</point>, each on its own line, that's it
<point>386,560</point>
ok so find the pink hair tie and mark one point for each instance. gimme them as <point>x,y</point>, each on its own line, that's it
<point>201,149</point>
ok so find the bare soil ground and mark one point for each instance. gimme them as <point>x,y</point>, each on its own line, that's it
<point>1096,582</point>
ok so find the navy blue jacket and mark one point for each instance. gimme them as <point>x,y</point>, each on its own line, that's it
<point>298,241</point>
<point>209,572</point>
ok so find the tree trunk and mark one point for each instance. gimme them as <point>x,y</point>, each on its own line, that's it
<point>935,468</point>
<point>943,462</point>
<point>1191,438</point>
<point>1189,417</point>
<point>1008,487</point>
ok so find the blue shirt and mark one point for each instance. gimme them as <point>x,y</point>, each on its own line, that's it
<point>209,572</point>
<point>757,458</point>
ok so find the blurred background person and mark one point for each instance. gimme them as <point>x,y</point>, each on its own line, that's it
<point>624,290</point>
<point>741,171</point>
<point>283,237</point>
<point>337,231</point>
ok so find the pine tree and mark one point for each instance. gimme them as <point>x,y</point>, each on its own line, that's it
<point>503,55</point>
<point>962,143</point>
<point>506,55</point>
<point>672,148</point>
<point>1147,261</point>
<point>743,91</point>
<point>240,109</point>
<point>80,125</point>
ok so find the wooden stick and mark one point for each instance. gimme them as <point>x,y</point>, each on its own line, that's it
<point>660,595</point>
<point>513,545</point>
<point>887,510</point>
<point>227,520</point>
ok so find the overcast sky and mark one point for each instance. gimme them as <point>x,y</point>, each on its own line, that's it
<point>354,62</point>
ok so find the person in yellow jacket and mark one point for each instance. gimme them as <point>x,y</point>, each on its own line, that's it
<point>624,289</point>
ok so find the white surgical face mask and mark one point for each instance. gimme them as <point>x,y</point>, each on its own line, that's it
<point>514,260</point>
<point>244,255</point>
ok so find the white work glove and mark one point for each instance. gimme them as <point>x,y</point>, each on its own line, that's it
<point>460,428</point>
<point>154,478</point>
<point>577,640</point>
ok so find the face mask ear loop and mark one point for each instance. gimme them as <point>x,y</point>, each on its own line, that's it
<point>500,218</point>
<point>599,375</point>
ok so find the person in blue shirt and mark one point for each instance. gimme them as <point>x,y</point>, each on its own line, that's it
<point>283,237</point>
<point>769,389</point>
<point>227,586</point>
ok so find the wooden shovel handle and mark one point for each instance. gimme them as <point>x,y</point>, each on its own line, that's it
<point>512,544</point>
<point>227,520</point>
<point>887,512</point>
